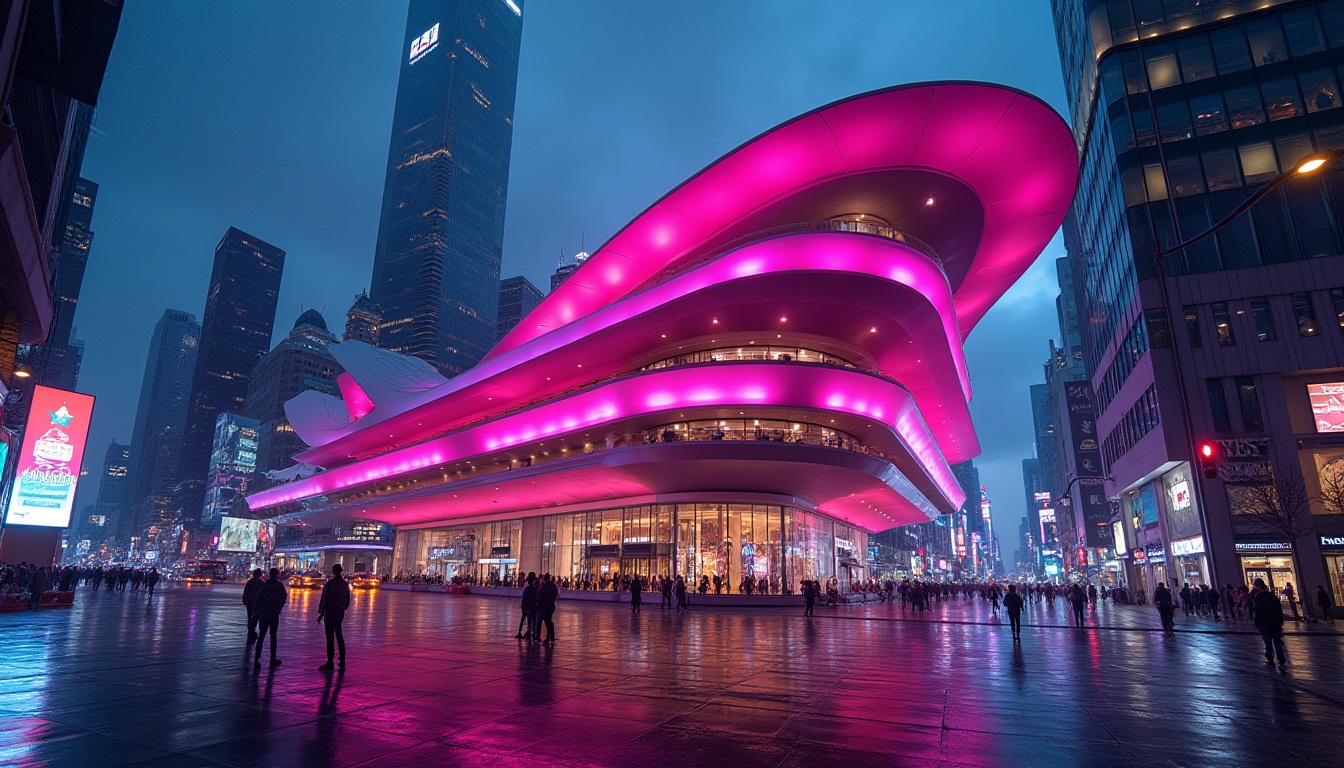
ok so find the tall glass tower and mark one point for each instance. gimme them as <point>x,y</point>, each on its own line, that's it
<point>436,270</point>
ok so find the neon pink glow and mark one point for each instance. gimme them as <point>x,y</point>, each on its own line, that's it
<point>357,402</point>
<point>803,386</point>
<point>1012,150</point>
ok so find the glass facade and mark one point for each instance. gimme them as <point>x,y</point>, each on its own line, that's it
<point>440,238</point>
<point>721,546</point>
<point>1182,110</point>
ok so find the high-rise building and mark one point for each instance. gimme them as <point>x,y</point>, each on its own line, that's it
<point>235,335</point>
<point>517,297</point>
<point>362,321</point>
<point>1182,111</point>
<point>299,363</point>
<point>440,238</point>
<point>60,356</point>
<point>161,421</point>
<point>233,466</point>
<point>114,492</point>
<point>566,267</point>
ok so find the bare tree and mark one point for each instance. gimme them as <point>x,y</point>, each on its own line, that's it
<point>1280,508</point>
<point>1332,487</point>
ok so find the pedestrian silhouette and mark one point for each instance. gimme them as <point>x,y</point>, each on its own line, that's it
<point>266,607</point>
<point>331,608</point>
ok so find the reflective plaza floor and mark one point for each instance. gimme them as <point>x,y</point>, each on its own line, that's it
<point>440,680</point>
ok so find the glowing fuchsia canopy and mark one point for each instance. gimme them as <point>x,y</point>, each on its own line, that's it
<point>967,181</point>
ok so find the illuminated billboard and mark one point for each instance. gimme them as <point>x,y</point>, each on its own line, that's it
<point>43,492</point>
<point>1327,406</point>
<point>424,43</point>
<point>238,535</point>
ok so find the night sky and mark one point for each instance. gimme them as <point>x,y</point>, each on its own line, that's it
<point>275,117</point>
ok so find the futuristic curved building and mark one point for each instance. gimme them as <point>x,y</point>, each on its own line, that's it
<point>753,375</point>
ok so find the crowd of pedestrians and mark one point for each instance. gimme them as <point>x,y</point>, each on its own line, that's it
<point>32,585</point>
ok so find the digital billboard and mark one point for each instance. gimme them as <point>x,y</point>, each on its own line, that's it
<point>1327,406</point>
<point>43,493</point>
<point>238,535</point>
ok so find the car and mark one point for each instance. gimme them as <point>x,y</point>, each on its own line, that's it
<point>307,580</point>
<point>365,580</point>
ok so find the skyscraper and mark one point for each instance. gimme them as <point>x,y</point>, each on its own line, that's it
<point>62,354</point>
<point>362,321</point>
<point>440,238</point>
<point>235,335</point>
<point>233,466</point>
<point>161,420</point>
<point>114,492</point>
<point>1182,112</point>
<point>298,363</point>
<point>566,268</point>
<point>517,297</point>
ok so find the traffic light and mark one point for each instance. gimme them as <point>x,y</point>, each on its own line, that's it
<point>1208,460</point>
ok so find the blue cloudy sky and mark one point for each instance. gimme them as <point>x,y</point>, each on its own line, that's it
<point>274,118</point>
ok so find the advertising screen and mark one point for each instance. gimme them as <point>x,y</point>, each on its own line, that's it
<point>238,535</point>
<point>48,464</point>
<point>1327,406</point>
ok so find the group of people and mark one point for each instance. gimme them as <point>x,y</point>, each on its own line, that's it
<point>265,599</point>
<point>120,578</point>
<point>1261,606</point>
<point>539,597</point>
<point>31,581</point>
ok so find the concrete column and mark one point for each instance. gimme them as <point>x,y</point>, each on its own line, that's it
<point>533,533</point>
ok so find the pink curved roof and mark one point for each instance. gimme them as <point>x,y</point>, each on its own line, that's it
<point>1010,149</point>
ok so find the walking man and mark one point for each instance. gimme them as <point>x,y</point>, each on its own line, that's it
<point>529,607</point>
<point>636,588</point>
<point>151,579</point>
<point>1267,613</point>
<point>809,596</point>
<point>331,610</point>
<point>1323,600</point>
<point>266,607</point>
<point>1012,603</point>
<point>249,597</point>
<point>547,594</point>
<point>1078,598</point>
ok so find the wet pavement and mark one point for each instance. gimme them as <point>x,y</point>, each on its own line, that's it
<point>440,680</point>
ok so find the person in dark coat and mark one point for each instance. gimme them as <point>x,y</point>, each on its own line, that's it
<point>331,608</point>
<point>266,607</point>
<point>1267,613</point>
<point>809,597</point>
<point>529,606</point>
<point>1078,599</point>
<point>1165,608</point>
<point>636,588</point>
<point>1323,600</point>
<point>547,594</point>
<point>151,579</point>
<point>1012,604</point>
<point>249,596</point>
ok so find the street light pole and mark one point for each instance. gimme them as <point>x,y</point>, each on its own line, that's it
<point>1305,167</point>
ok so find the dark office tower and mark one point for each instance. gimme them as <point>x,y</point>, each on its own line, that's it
<point>1183,111</point>
<point>436,270</point>
<point>235,335</point>
<point>161,421</point>
<point>114,492</point>
<point>566,268</point>
<point>363,320</point>
<point>59,358</point>
<point>517,297</point>
<point>297,364</point>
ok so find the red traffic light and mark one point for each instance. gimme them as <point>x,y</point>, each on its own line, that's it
<point>1206,450</point>
<point>1208,460</point>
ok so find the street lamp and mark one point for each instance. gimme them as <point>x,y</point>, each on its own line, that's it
<point>1305,167</point>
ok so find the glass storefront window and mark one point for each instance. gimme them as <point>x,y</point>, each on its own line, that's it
<point>1276,570</point>
<point>1334,567</point>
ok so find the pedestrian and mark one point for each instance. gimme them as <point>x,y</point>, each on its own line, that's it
<point>809,597</point>
<point>1187,600</point>
<point>1092,596</point>
<point>331,608</point>
<point>1267,613</point>
<point>994,595</point>
<point>1165,608</point>
<point>270,600</point>
<point>1214,600</point>
<point>547,594</point>
<point>1012,603</point>
<point>680,590</point>
<point>667,593</point>
<point>151,579</point>
<point>37,584</point>
<point>636,588</point>
<point>1291,597</point>
<point>1323,600</point>
<point>249,597</point>
<point>1078,600</point>
<point>529,607</point>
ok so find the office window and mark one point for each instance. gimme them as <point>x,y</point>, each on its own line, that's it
<point>1159,333</point>
<point>1222,421</point>
<point>1292,149</point>
<point>1196,59</point>
<point>1135,80</point>
<point>1112,80</point>
<point>1220,169</point>
<point>1145,132</point>
<point>1332,13</point>
<point>1157,183</point>
<point>1304,34</point>
<point>1186,176</point>
<point>1264,319</point>
<point>1229,50</point>
<point>1209,114</point>
<point>1258,163</point>
<point>1243,107</point>
<point>1319,89</point>
<point>1281,99</point>
<point>1337,299</point>
<point>1266,42</point>
<point>1192,326</point>
<point>1174,121</point>
<point>1250,404</point>
<point>1306,316</point>
<point>1222,321</point>
<point>1162,71</point>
